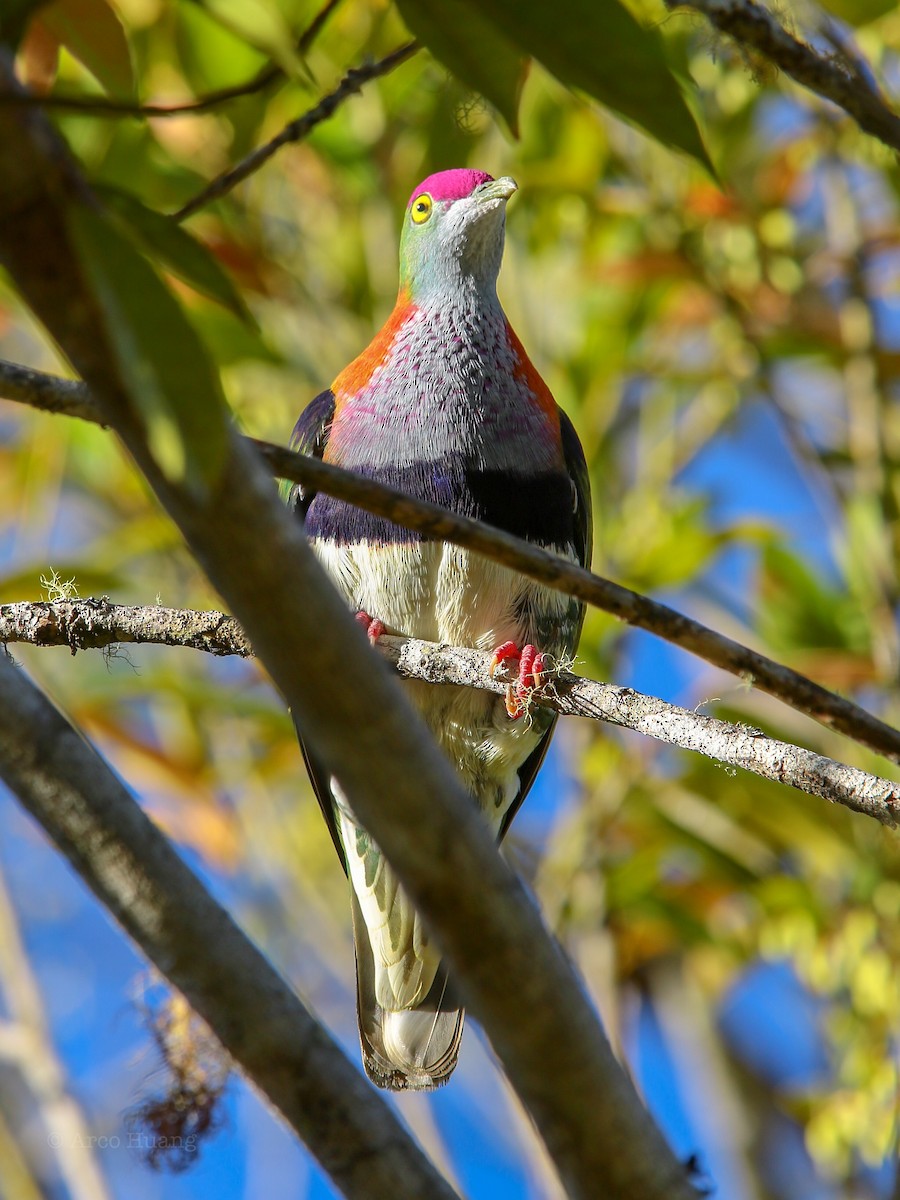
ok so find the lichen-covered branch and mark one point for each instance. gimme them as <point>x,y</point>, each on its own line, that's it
<point>131,867</point>
<point>835,77</point>
<point>85,624</point>
<point>769,676</point>
<point>95,624</point>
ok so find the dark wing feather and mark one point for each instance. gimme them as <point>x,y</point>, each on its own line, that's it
<point>581,482</point>
<point>310,436</point>
<point>318,777</point>
<point>583,542</point>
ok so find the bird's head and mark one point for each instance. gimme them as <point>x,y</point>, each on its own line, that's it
<point>453,234</point>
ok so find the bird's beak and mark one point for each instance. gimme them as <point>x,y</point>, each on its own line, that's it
<point>497,189</point>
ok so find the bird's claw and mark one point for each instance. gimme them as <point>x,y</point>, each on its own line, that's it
<point>531,675</point>
<point>373,627</point>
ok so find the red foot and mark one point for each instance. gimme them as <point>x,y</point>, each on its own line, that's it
<point>532,671</point>
<point>373,627</point>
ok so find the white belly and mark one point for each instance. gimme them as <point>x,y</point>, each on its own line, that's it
<point>443,593</point>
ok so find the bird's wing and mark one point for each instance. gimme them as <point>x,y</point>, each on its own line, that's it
<point>310,436</point>
<point>581,483</point>
<point>576,466</point>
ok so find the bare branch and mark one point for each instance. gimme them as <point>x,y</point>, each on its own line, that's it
<point>83,624</point>
<point>762,672</point>
<point>48,393</point>
<point>131,867</point>
<point>297,129</point>
<point>28,1044</point>
<point>358,722</point>
<point>108,106</point>
<point>833,77</point>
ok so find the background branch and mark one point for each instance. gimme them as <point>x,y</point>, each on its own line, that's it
<point>757,669</point>
<point>108,106</point>
<point>27,1045</point>
<point>84,624</point>
<point>297,129</point>
<point>832,77</point>
<point>131,867</point>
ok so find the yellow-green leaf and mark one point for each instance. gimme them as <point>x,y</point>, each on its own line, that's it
<point>92,32</point>
<point>181,253</point>
<point>472,48</point>
<point>161,360</point>
<point>859,12</point>
<point>262,25</point>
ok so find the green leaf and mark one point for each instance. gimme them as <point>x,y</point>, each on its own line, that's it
<point>473,49</point>
<point>261,25</point>
<point>92,32</point>
<point>183,254</point>
<point>210,55</point>
<point>798,609</point>
<point>859,12</point>
<point>599,47</point>
<point>162,361</point>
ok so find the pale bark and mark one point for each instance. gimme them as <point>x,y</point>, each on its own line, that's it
<point>93,624</point>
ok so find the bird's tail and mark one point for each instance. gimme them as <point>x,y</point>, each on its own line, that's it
<point>411,1049</point>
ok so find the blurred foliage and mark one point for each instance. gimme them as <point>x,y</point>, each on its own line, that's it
<point>731,359</point>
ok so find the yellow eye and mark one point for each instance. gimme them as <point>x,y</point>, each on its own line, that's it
<point>421,209</point>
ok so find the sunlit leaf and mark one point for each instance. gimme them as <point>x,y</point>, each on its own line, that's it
<point>262,25</point>
<point>799,609</point>
<point>211,55</point>
<point>39,57</point>
<point>859,12</point>
<point>178,250</point>
<point>92,32</point>
<point>160,357</point>
<point>473,48</point>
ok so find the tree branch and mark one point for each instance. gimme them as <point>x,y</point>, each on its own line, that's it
<point>49,393</point>
<point>108,106</point>
<point>358,722</point>
<point>93,624</point>
<point>832,77</point>
<point>28,1045</point>
<point>133,870</point>
<point>297,129</point>
<point>762,672</point>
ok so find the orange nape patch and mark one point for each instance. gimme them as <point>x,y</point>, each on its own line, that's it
<point>357,374</point>
<point>527,372</point>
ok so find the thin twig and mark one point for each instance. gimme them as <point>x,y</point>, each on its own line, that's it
<point>297,129</point>
<point>762,672</point>
<point>90,624</point>
<point>108,106</point>
<point>830,76</point>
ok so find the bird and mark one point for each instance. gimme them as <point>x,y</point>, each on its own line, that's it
<point>445,405</point>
